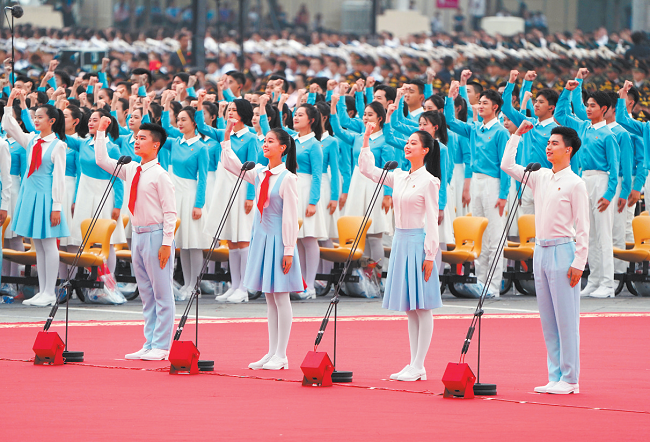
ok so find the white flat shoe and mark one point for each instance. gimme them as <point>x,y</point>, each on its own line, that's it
<point>44,300</point>
<point>564,388</point>
<point>224,297</point>
<point>238,296</point>
<point>32,299</point>
<point>155,354</point>
<point>259,364</point>
<point>394,376</point>
<point>276,363</point>
<point>412,375</point>
<point>138,354</point>
<point>544,389</point>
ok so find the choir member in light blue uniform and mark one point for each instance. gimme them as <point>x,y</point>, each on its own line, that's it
<point>189,160</point>
<point>273,267</point>
<point>330,182</point>
<point>37,214</point>
<point>361,188</point>
<point>599,164</point>
<point>5,188</point>
<point>490,185</point>
<point>412,285</point>
<point>261,125</point>
<point>238,224</point>
<point>93,180</point>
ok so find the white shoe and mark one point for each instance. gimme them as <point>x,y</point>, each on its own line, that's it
<point>589,289</point>
<point>238,296</point>
<point>155,354</point>
<point>563,388</point>
<point>603,292</point>
<point>44,300</point>
<point>259,364</point>
<point>138,354</point>
<point>32,299</point>
<point>394,376</point>
<point>544,389</point>
<point>413,374</point>
<point>276,363</point>
<point>224,297</point>
<point>304,295</point>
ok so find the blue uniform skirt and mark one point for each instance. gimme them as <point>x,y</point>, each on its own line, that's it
<point>405,286</point>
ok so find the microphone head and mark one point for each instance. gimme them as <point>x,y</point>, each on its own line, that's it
<point>17,11</point>
<point>126,159</point>
<point>535,166</point>
<point>248,165</point>
<point>390,165</point>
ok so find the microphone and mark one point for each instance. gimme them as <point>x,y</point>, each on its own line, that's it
<point>124,159</point>
<point>390,165</point>
<point>16,10</point>
<point>248,165</point>
<point>532,167</point>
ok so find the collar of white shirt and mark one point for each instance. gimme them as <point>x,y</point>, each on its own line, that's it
<point>324,136</point>
<point>49,138</point>
<point>149,165</point>
<point>376,135</point>
<point>416,112</point>
<point>277,169</point>
<point>490,124</point>
<point>92,140</point>
<point>417,173</point>
<point>239,133</point>
<point>260,137</point>
<point>599,125</point>
<point>191,141</point>
<point>612,124</point>
<point>546,122</point>
<point>132,139</point>
<point>304,138</point>
<point>561,173</point>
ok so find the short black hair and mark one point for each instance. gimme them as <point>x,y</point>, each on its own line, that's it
<point>390,91</point>
<point>418,83</point>
<point>320,81</point>
<point>550,95</point>
<point>493,96</point>
<point>601,98</point>
<point>634,94</point>
<point>238,76</point>
<point>613,98</point>
<point>569,136</point>
<point>478,87</point>
<point>157,133</point>
<point>143,71</point>
<point>65,78</point>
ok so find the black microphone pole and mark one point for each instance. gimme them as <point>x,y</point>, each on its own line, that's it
<point>209,365</point>
<point>78,356</point>
<point>479,388</point>
<point>346,376</point>
<point>16,11</point>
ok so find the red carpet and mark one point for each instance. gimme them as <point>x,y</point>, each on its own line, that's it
<point>107,398</point>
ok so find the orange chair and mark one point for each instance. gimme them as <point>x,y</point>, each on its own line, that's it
<point>522,255</point>
<point>26,258</point>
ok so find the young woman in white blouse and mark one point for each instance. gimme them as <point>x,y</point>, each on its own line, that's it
<point>412,285</point>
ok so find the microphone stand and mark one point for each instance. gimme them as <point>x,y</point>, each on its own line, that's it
<point>78,356</point>
<point>346,376</point>
<point>16,11</point>
<point>479,388</point>
<point>209,365</point>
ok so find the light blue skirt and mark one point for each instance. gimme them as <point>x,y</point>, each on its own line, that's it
<point>33,210</point>
<point>406,288</point>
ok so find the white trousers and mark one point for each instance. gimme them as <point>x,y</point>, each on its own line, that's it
<point>458,183</point>
<point>619,226</point>
<point>601,253</point>
<point>485,193</point>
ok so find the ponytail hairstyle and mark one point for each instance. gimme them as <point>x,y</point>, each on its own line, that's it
<point>272,115</point>
<point>437,101</point>
<point>462,112</point>
<point>176,108</point>
<point>245,111</point>
<point>290,150</point>
<point>113,129</point>
<point>191,112</point>
<point>379,110</point>
<point>350,105</point>
<point>82,127</point>
<point>314,115</point>
<point>437,119</point>
<point>156,112</point>
<point>324,110</point>
<point>58,127</point>
<point>432,158</point>
<point>213,110</point>
<point>287,116</point>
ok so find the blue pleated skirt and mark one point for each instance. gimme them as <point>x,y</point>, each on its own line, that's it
<point>406,288</point>
<point>33,210</point>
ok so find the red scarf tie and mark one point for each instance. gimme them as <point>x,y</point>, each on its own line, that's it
<point>134,190</point>
<point>264,193</point>
<point>37,157</point>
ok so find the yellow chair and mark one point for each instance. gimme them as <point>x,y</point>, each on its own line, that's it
<point>641,250</point>
<point>92,257</point>
<point>524,251</point>
<point>347,227</point>
<point>4,227</point>
<point>219,254</point>
<point>124,254</point>
<point>26,258</point>
<point>468,233</point>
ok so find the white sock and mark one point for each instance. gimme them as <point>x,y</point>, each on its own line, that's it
<point>47,260</point>
<point>285,318</point>
<point>186,265</point>
<point>243,259</point>
<point>196,261</point>
<point>312,258</point>
<point>272,315</point>
<point>414,327</point>
<point>326,266</point>
<point>235,264</point>
<point>424,337</point>
<point>40,265</point>
<point>374,243</point>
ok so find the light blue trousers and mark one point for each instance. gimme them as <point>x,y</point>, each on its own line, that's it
<point>155,286</point>
<point>559,308</point>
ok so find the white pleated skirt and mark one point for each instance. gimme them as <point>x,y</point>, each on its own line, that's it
<point>445,230</point>
<point>314,226</point>
<point>15,190</point>
<point>70,183</point>
<point>359,195</point>
<point>85,207</point>
<point>191,232</point>
<point>330,220</point>
<point>238,225</point>
<point>209,189</point>
<point>457,184</point>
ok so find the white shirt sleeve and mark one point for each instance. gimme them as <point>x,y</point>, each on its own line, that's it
<point>11,126</point>
<point>368,169</point>
<point>289,195</point>
<point>509,163</point>
<point>167,195</point>
<point>58,175</point>
<point>580,207</point>
<point>5,175</point>
<point>233,165</point>
<point>103,160</point>
<point>431,239</point>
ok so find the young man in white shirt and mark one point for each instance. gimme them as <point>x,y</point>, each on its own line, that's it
<point>562,240</point>
<point>152,204</point>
